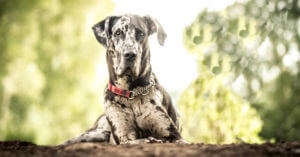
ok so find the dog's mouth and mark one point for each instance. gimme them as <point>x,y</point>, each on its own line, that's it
<point>128,70</point>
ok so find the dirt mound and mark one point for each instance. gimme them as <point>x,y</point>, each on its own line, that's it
<point>16,148</point>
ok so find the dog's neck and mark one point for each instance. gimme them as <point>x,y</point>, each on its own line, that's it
<point>129,83</point>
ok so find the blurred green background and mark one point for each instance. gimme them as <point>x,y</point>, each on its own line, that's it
<point>48,53</point>
<point>247,90</point>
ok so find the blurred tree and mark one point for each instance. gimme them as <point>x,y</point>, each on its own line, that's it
<point>260,40</point>
<point>48,54</point>
<point>214,114</point>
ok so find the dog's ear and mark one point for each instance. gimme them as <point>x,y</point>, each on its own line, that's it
<point>154,26</point>
<point>102,30</point>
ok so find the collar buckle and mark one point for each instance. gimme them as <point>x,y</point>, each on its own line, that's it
<point>132,95</point>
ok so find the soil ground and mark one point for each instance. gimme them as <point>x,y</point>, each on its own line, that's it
<point>19,149</point>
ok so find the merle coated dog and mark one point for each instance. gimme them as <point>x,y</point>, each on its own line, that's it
<point>137,108</point>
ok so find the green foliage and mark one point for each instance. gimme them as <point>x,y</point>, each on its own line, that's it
<point>212,113</point>
<point>260,40</point>
<point>48,53</point>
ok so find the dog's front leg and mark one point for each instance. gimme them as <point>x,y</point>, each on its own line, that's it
<point>156,119</point>
<point>121,120</point>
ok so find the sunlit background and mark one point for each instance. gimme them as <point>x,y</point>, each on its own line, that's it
<point>232,67</point>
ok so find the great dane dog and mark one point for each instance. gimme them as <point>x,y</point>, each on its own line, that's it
<point>137,108</point>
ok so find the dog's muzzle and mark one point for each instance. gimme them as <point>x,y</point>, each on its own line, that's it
<point>127,64</point>
<point>129,56</point>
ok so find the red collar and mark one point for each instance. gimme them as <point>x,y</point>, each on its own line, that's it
<point>119,91</point>
<point>131,94</point>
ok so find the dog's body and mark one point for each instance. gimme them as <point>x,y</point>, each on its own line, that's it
<point>145,114</point>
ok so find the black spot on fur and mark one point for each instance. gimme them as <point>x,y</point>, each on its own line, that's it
<point>158,108</point>
<point>112,21</point>
<point>109,95</point>
<point>107,135</point>
<point>164,101</point>
<point>139,131</point>
<point>141,81</point>
<point>166,116</point>
<point>123,106</point>
<point>152,102</point>
<point>142,101</point>
<point>97,140</point>
<point>113,131</point>
<point>83,140</point>
<point>174,134</point>
<point>171,128</point>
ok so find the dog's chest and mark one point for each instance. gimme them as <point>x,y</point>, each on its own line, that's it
<point>142,105</point>
<point>144,108</point>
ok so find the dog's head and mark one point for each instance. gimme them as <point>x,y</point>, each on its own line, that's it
<point>126,40</point>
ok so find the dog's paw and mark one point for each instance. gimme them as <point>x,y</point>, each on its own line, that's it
<point>137,141</point>
<point>143,141</point>
<point>182,141</point>
<point>154,140</point>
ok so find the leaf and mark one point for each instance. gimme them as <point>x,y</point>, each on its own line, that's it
<point>197,40</point>
<point>207,61</point>
<point>217,70</point>
<point>189,32</point>
<point>244,33</point>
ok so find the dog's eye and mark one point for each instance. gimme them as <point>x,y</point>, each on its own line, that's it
<point>142,34</point>
<point>118,32</point>
<point>139,35</point>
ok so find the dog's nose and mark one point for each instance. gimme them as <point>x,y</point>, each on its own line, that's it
<point>129,55</point>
